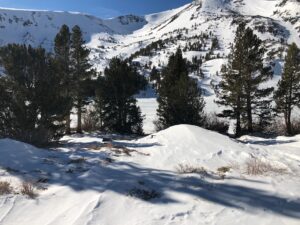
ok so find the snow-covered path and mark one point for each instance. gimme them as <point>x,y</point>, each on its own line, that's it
<point>135,182</point>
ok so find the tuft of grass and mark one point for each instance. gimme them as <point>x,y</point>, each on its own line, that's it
<point>186,168</point>
<point>224,169</point>
<point>28,189</point>
<point>5,188</point>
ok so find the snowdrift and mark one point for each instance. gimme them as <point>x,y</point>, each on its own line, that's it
<point>196,146</point>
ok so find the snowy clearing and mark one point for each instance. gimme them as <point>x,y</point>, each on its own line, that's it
<point>182,175</point>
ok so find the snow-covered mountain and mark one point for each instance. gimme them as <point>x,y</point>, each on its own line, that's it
<point>40,27</point>
<point>276,21</point>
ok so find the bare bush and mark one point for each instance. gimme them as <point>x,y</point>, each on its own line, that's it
<point>212,122</point>
<point>186,168</point>
<point>90,121</point>
<point>5,188</point>
<point>28,189</point>
<point>255,166</point>
<point>278,127</point>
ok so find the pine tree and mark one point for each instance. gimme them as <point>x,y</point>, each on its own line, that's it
<point>288,94</point>
<point>31,105</point>
<point>62,49</point>
<point>240,88</point>
<point>254,72</point>
<point>155,77</point>
<point>81,73</point>
<point>115,100</point>
<point>180,100</point>
<point>230,93</point>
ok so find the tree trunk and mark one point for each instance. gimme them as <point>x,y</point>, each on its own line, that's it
<point>79,116</point>
<point>249,114</point>
<point>289,129</point>
<point>238,129</point>
<point>68,124</point>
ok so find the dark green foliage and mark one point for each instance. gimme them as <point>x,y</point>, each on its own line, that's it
<point>62,50</point>
<point>180,100</point>
<point>254,72</point>
<point>149,49</point>
<point>81,73</point>
<point>240,89</point>
<point>288,94</point>
<point>230,94</point>
<point>116,104</point>
<point>215,44</point>
<point>32,106</point>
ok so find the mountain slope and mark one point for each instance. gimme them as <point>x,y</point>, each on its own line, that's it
<point>40,27</point>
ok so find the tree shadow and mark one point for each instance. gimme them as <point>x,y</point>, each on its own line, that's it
<point>121,177</point>
<point>267,142</point>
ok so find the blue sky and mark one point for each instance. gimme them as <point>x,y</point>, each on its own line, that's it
<point>100,8</point>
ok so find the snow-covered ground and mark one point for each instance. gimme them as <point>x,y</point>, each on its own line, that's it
<point>137,182</point>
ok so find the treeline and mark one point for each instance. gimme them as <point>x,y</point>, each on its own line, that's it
<point>241,92</point>
<point>39,90</point>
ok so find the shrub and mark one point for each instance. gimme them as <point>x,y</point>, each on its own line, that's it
<point>28,189</point>
<point>212,122</point>
<point>90,121</point>
<point>278,127</point>
<point>224,169</point>
<point>5,188</point>
<point>256,166</point>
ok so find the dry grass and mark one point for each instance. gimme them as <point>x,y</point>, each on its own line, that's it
<point>186,168</point>
<point>255,166</point>
<point>222,171</point>
<point>28,189</point>
<point>5,188</point>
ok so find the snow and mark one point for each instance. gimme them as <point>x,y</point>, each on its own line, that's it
<point>97,189</point>
<point>97,192</point>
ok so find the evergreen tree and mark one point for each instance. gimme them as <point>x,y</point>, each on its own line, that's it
<point>32,108</point>
<point>62,49</point>
<point>288,94</point>
<point>155,77</point>
<point>115,100</point>
<point>81,73</point>
<point>230,93</point>
<point>240,88</point>
<point>180,100</point>
<point>254,72</point>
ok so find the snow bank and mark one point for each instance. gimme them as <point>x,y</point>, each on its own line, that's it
<point>195,146</point>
